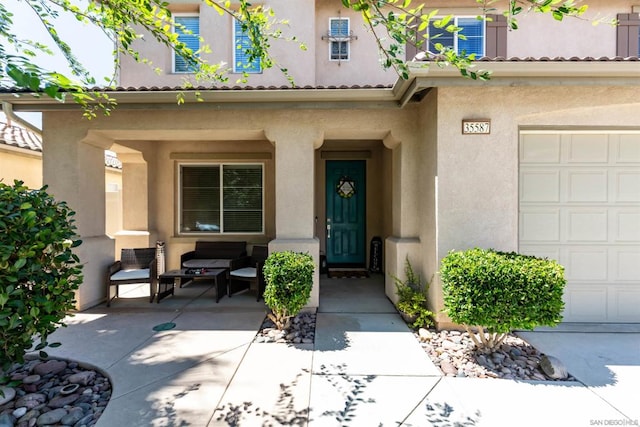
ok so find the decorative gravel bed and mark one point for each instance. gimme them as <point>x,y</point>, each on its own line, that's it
<point>302,330</point>
<point>53,392</point>
<point>455,354</point>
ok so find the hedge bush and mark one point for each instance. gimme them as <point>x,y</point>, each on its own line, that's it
<point>502,291</point>
<point>39,273</point>
<point>289,277</point>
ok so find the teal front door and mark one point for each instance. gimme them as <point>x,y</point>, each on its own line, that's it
<point>345,227</point>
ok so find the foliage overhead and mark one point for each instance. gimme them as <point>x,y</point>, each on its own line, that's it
<point>289,277</point>
<point>501,292</point>
<point>39,273</point>
<point>394,24</point>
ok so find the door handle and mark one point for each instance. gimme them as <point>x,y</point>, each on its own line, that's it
<point>328,231</point>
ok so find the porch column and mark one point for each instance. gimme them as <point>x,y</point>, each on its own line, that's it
<point>135,203</point>
<point>294,165</point>
<point>74,170</point>
<point>408,213</point>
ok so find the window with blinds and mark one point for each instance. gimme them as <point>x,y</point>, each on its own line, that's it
<point>339,33</point>
<point>221,198</point>
<point>242,61</point>
<point>188,29</point>
<point>470,39</point>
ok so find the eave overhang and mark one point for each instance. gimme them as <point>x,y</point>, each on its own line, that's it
<point>422,76</point>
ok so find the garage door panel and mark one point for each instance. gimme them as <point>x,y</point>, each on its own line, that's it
<point>586,225</point>
<point>540,186</point>
<point>588,148</point>
<point>627,265</point>
<point>628,149</point>
<point>587,186</point>
<point>585,264</point>
<point>540,149</point>
<point>627,186</point>
<point>540,225</point>
<point>585,304</point>
<point>625,302</point>
<point>626,225</point>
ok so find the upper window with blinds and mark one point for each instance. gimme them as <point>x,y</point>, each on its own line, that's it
<point>221,198</point>
<point>188,29</point>
<point>242,61</point>
<point>469,40</point>
<point>339,37</point>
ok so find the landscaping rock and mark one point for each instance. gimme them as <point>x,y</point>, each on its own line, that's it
<point>553,367</point>
<point>6,394</point>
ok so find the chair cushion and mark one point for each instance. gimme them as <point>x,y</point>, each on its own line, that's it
<point>247,272</point>
<point>142,273</point>
<point>207,263</point>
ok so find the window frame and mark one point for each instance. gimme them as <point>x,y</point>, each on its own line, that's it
<point>179,206</point>
<point>455,19</point>
<point>173,53</point>
<point>346,39</point>
<point>242,69</point>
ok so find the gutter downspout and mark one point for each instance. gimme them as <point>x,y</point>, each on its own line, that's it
<point>7,108</point>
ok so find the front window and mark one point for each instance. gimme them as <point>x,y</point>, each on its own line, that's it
<point>469,40</point>
<point>221,198</point>
<point>188,29</point>
<point>242,62</point>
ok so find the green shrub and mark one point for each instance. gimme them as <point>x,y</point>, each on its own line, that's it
<point>501,291</point>
<point>412,298</point>
<point>289,277</point>
<point>39,273</point>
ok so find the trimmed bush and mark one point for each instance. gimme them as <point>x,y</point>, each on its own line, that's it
<point>289,277</point>
<point>39,273</point>
<point>502,291</point>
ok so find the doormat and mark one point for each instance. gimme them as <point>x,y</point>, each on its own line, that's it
<point>347,274</point>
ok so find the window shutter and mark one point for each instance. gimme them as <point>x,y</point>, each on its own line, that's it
<point>242,198</point>
<point>190,36</point>
<point>242,43</point>
<point>628,35</point>
<point>496,37</point>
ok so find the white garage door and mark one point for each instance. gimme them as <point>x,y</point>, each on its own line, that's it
<point>580,205</point>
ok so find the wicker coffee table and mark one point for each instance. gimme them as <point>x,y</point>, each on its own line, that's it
<point>167,280</point>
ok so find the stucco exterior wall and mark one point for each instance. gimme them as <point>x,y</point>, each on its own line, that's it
<point>217,31</point>
<point>478,174</point>
<point>363,66</point>
<point>540,35</point>
<point>22,165</point>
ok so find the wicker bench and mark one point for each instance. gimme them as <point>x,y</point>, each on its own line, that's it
<point>210,255</point>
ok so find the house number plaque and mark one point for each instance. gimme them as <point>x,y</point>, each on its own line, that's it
<point>476,127</point>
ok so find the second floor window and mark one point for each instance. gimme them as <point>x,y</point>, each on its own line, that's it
<point>242,63</point>
<point>188,29</point>
<point>471,42</point>
<point>339,36</point>
<point>221,198</point>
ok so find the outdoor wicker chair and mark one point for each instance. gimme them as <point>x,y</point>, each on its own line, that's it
<point>135,266</point>
<point>247,272</point>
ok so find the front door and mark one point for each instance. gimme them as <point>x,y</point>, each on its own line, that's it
<point>345,227</point>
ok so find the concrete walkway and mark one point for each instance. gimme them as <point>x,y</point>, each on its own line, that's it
<point>365,368</point>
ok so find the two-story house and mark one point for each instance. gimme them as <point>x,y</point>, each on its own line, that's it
<point>544,158</point>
